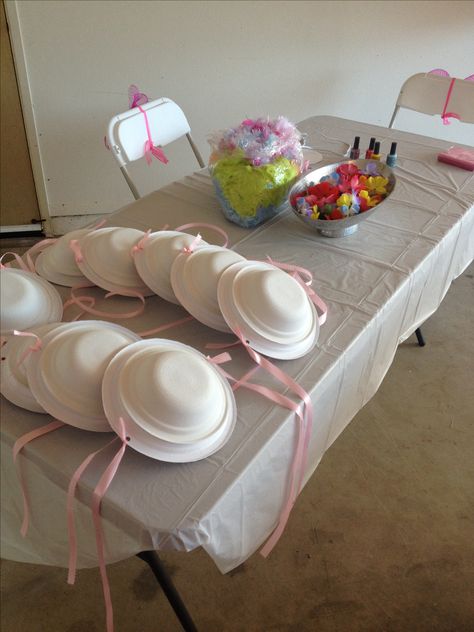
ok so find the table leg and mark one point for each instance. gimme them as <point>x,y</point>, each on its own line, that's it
<point>419,337</point>
<point>156,565</point>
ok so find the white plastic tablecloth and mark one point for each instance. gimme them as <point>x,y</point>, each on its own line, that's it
<point>380,284</point>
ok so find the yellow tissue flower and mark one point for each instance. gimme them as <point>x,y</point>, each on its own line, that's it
<point>344,200</point>
<point>315,214</point>
<point>377,184</point>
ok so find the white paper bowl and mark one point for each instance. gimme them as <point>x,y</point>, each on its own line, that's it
<point>57,263</point>
<point>27,301</point>
<point>154,262</point>
<point>107,260</point>
<point>194,278</point>
<point>176,406</point>
<point>14,381</point>
<point>269,308</point>
<point>65,376</point>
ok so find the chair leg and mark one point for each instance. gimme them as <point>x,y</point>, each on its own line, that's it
<point>159,571</point>
<point>419,337</point>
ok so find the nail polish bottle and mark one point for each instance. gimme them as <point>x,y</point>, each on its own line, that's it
<point>392,157</point>
<point>370,151</point>
<point>355,151</point>
<point>376,154</point>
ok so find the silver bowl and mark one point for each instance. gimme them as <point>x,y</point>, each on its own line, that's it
<point>349,225</point>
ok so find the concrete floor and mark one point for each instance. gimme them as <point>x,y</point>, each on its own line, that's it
<point>380,540</point>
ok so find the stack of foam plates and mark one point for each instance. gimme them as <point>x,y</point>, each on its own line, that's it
<point>107,260</point>
<point>154,261</point>
<point>269,308</point>
<point>175,404</point>
<point>65,376</point>
<point>14,381</point>
<point>194,278</point>
<point>57,263</point>
<point>27,301</point>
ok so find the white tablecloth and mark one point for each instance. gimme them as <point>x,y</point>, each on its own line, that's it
<point>380,284</point>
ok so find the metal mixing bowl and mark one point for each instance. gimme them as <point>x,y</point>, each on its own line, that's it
<point>349,225</point>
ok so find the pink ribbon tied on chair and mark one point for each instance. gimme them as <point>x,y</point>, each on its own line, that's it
<point>150,149</point>
<point>136,100</point>
<point>445,116</point>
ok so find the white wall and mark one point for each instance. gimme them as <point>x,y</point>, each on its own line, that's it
<point>221,61</point>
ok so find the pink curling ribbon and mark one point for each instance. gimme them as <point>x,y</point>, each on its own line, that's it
<point>36,250</point>
<point>17,258</point>
<point>99,491</point>
<point>299,458</point>
<point>141,244</point>
<point>36,347</point>
<point>292,268</point>
<point>74,246</point>
<point>318,302</point>
<point>71,527</point>
<point>150,149</point>
<point>219,230</point>
<point>157,330</point>
<point>79,301</point>
<point>447,115</point>
<point>190,249</point>
<point>17,446</point>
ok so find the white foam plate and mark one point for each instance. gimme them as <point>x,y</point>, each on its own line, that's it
<point>140,428</point>
<point>274,315</point>
<point>65,376</point>
<point>14,381</point>
<point>27,301</point>
<point>194,278</point>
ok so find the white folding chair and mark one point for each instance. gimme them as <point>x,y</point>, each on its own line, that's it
<point>127,133</point>
<point>427,93</point>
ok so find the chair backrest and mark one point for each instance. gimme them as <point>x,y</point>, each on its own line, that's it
<point>427,93</point>
<point>127,133</point>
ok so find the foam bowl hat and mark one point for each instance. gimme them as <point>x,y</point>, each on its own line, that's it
<point>27,301</point>
<point>105,259</point>
<point>269,308</point>
<point>65,375</point>
<point>14,381</point>
<point>194,278</point>
<point>57,263</point>
<point>175,404</point>
<point>153,262</point>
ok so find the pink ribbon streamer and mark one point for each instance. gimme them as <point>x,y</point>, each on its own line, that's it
<point>72,566</point>
<point>318,302</point>
<point>99,491</point>
<point>299,458</point>
<point>17,258</point>
<point>157,330</point>
<point>140,245</point>
<point>19,445</point>
<point>190,249</point>
<point>150,149</point>
<point>219,230</point>
<point>35,347</point>
<point>78,300</point>
<point>36,250</point>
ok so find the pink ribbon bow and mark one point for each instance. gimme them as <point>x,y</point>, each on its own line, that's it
<point>150,149</point>
<point>447,115</point>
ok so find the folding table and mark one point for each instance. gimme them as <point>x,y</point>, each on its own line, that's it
<point>380,285</point>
